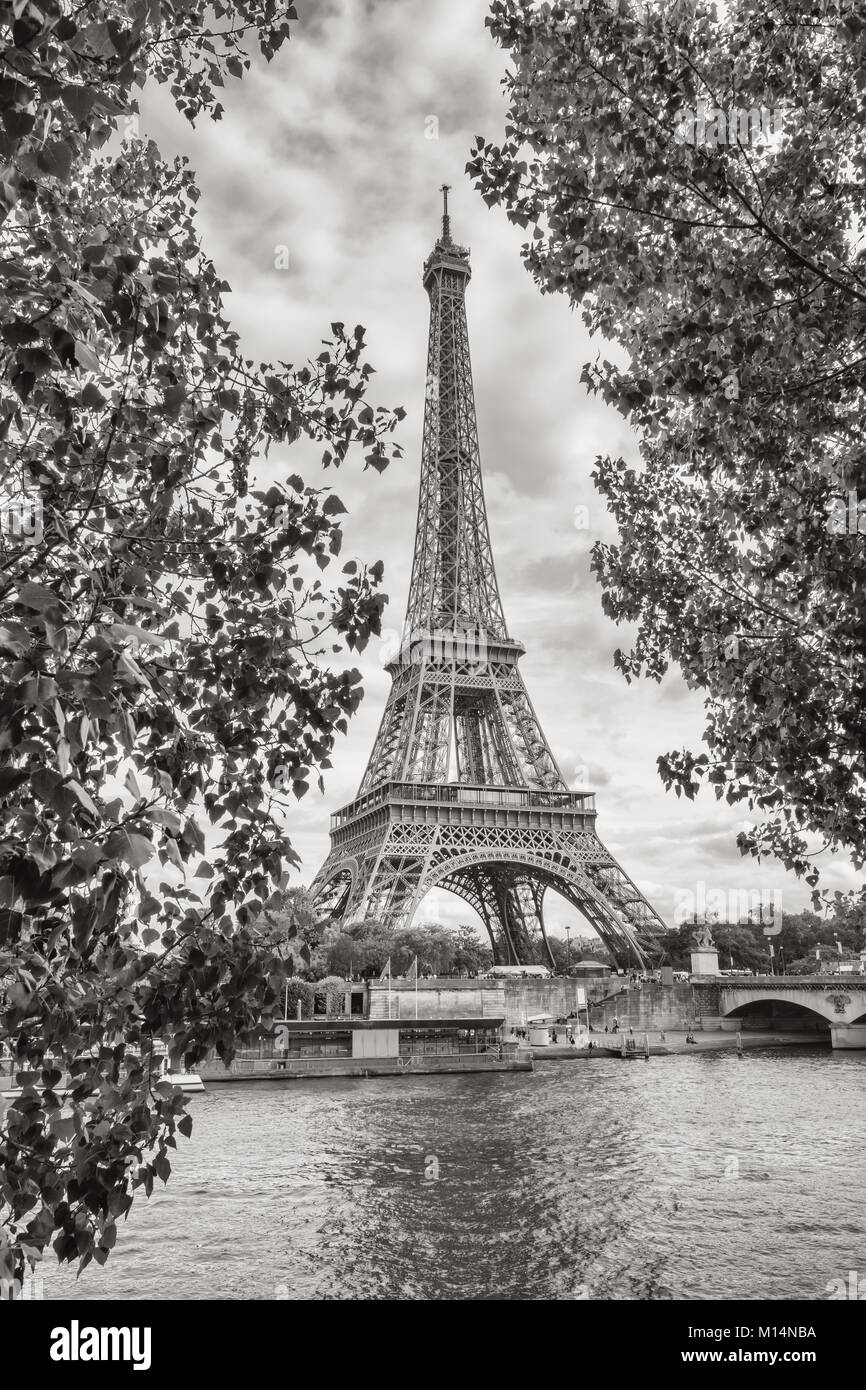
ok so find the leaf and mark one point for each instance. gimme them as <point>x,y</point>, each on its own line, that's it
<point>134,849</point>
<point>79,101</point>
<point>173,853</point>
<point>130,782</point>
<point>85,357</point>
<point>38,597</point>
<point>84,797</point>
<point>126,630</point>
<point>56,159</point>
<point>63,756</point>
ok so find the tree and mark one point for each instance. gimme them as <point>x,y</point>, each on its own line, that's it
<point>562,957</point>
<point>744,944</point>
<point>694,181</point>
<point>292,918</point>
<point>361,948</point>
<point>163,702</point>
<point>297,992</point>
<point>471,954</point>
<point>330,995</point>
<point>431,943</point>
<point>344,956</point>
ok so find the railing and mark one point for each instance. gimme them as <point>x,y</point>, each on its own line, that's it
<point>809,982</point>
<point>467,794</point>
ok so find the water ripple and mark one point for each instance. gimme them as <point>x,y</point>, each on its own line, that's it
<point>703,1177</point>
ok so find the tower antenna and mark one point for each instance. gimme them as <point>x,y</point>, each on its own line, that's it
<point>446,220</point>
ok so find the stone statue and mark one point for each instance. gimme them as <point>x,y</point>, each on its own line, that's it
<point>703,937</point>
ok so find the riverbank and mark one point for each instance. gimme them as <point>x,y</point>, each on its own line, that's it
<point>675,1044</point>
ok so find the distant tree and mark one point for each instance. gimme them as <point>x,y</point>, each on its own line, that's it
<point>344,956</point>
<point>742,942</point>
<point>362,948</point>
<point>693,179</point>
<point>559,950</point>
<point>330,995</point>
<point>433,945</point>
<point>162,703</point>
<point>471,954</point>
<point>679,944</point>
<point>807,965</point>
<point>800,933</point>
<point>297,992</point>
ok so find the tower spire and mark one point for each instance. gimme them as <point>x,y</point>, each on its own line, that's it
<point>446,220</point>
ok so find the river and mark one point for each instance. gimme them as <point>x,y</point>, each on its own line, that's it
<point>701,1177</point>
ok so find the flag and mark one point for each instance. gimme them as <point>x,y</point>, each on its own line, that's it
<point>386,971</point>
<point>412,972</point>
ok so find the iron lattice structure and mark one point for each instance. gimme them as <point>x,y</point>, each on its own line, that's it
<point>462,790</point>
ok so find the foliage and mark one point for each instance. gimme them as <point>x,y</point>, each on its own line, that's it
<point>745,944</point>
<point>365,947</point>
<point>295,992</point>
<point>471,954</point>
<point>430,943</point>
<point>723,251</point>
<point>562,957</point>
<point>162,697</point>
<point>329,993</point>
<point>291,918</point>
<point>362,948</point>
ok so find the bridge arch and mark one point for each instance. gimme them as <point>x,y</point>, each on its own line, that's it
<point>832,1002</point>
<point>780,1015</point>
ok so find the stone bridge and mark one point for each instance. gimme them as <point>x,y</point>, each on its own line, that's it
<point>791,1003</point>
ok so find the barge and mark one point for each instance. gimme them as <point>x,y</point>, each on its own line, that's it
<point>305,1047</point>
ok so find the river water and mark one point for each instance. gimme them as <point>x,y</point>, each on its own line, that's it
<point>700,1177</point>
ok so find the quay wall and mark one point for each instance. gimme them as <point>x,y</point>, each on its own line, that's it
<point>649,1009</point>
<point>514,999</point>
<point>646,1006</point>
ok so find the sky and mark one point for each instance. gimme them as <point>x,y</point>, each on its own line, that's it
<point>329,159</point>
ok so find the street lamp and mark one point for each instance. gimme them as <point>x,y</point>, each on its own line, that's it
<point>568,948</point>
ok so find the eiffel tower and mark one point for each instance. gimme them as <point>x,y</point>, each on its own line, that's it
<point>462,791</point>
